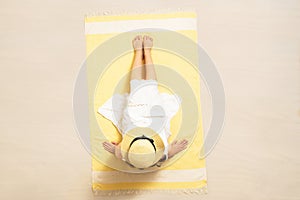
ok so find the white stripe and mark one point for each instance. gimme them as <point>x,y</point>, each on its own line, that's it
<point>190,175</point>
<point>174,24</point>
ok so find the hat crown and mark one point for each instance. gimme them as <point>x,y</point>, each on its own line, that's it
<point>141,154</point>
<point>143,137</point>
<point>142,147</point>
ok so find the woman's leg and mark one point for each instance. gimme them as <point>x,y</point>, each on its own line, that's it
<point>137,71</point>
<point>150,70</point>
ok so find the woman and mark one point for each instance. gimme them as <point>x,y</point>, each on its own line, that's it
<point>144,120</point>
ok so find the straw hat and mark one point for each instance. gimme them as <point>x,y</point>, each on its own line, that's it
<point>142,147</point>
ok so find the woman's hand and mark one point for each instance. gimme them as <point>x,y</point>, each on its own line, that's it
<point>176,147</point>
<point>114,148</point>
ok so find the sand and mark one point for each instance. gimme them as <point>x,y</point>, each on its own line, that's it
<point>255,45</point>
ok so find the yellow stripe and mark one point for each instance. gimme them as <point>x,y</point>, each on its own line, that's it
<point>146,185</point>
<point>107,18</point>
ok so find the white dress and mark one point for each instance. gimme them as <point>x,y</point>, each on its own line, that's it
<point>145,106</point>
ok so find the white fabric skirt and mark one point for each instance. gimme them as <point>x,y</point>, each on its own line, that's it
<point>145,106</point>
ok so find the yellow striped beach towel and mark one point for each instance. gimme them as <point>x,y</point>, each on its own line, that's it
<point>187,173</point>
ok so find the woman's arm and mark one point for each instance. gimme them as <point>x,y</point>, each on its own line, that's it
<point>118,151</point>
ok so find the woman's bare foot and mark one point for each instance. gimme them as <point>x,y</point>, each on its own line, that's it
<point>176,147</point>
<point>137,43</point>
<point>148,43</point>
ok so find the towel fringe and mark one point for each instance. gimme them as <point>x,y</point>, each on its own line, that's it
<point>187,191</point>
<point>119,12</point>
